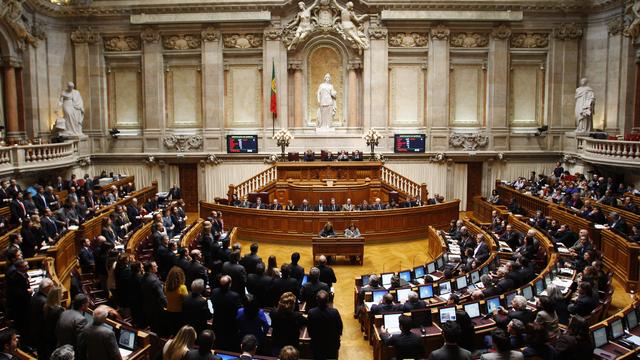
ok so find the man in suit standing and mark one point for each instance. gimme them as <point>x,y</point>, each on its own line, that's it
<point>260,286</point>
<point>377,205</point>
<point>237,273</point>
<point>481,251</point>
<point>348,206</point>
<point>9,344</point>
<point>175,193</point>
<point>325,328</point>
<point>249,261</point>
<point>36,313</point>
<point>311,288</point>
<point>326,272</point>
<point>259,204</point>
<point>97,342</point>
<point>297,271</point>
<point>18,211</point>
<point>406,344</point>
<point>153,296</point>
<point>333,206</point>
<point>133,213</point>
<point>249,346</point>
<point>14,188</point>
<point>72,322</point>
<point>196,270</point>
<point>18,293</point>
<point>40,200</point>
<point>450,349</point>
<point>225,305</point>
<point>205,342</point>
<point>49,226</point>
<point>305,206</point>
<point>195,310</point>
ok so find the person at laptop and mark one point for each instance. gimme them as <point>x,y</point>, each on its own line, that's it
<point>547,317</point>
<point>205,345</point>
<point>450,350</point>
<point>407,345</point>
<point>374,284</point>
<point>502,347</point>
<point>575,343</point>
<point>386,305</point>
<point>537,344</point>
<point>311,288</point>
<point>413,303</point>
<point>96,341</point>
<point>519,311</point>
<point>511,237</point>
<point>585,303</point>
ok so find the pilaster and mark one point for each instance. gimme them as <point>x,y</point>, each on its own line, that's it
<point>438,78</point>
<point>498,84</point>
<point>274,54</point>
<point>82,38</point>
<point>563,76</point>
<point>376,79</point>
<point>153,89</point>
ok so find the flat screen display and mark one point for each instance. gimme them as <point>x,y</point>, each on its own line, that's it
<point>461,282</point>
<point>377,295</point>
<point>632,319</point>
<point>600,337</point>
<point>425,291</point>
<point>242,144</point>
<point>418,272</point>
<point>405,275</point>
<point>445,287</point>
<point>409,143</point>
<point>447,314</point>
<point>539,287</point>
<point>617,329</point>
<point>391,322</point>
<point>527,292</point>
<point>472,309</point>
<point>386,278</point>
<point>475,277</point>
<point>493,303</point>
<point>431,268</point>
<point>127,339</point>
<point>403,294</point>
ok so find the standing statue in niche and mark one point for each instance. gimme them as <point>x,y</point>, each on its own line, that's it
<point>70,125</point>
<point>351,25</point>
<point>326,103</point>
<point>585,106</point>
<point>303,22</point>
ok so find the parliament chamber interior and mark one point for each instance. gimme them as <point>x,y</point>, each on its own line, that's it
<point>319,179</point>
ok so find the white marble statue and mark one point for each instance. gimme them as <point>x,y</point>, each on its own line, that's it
<point>585,105</point>
<point>72,111</point>
<point>633,16</point>
<point>326,103</point>
<point>350,24</point>
<point>303,23</point>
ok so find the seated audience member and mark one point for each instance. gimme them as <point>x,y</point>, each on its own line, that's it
<point>248,347</point>
<point>205,342</point>
<point>481,252</point>
<point>348,206</point>
<point>519,311</point>
<point>586,302</point>
<point>305,206</point>
<point>97,341</point>
<point>352,231</point>
<point>539,220</point>
<point>511,237</point>
<point>343,156</point>
<point>374,284</point>
<point>289,353</point>
<point>195,310</point>
<point>547,317</point>
<point>634,236</point>
<point>259,204</point>
<point>178,347</point>
<point>377,205</point>
<point>516,330</point>
<point>537,346</point>
<point>575,343</point>
<point>495,197</point>
<point>275,205</point>
<point>311,288</point>
<point>325,328</point>
<point>386,305</point>
<point>9,344</point>
<point>450,349</point>
<point>327,230</point>
<point>286,324</point>
<point>252,320</point>
<point>629,205</point>
<point>364,206</point>
<point>290,206</point>
<point>320,207</point>
<point>413,302</point>
<point>357,156</point>
<point>175,193</point>
<point>514,208</point>
<point>309,155</point>
<point>565,236</point>
<point>502,346</point>
<point>407,345</point>
<point>617,223</point>
<point>245,203</point>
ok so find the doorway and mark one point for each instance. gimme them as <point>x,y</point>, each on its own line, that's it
<point>189,185</point>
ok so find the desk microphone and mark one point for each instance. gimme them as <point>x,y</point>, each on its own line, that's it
<point>414,260</point>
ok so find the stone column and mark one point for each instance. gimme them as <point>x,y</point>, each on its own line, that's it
<point>298,84</point>
<point>620,82</point>
<point>212,86</point>
<point>153,89</point>
<point>11,103</point>
<point>438,79</point>
<point>81,38</point>
<point>274,54</point>
<point>498,89</point>
<point>376,79</point>
<point>636,114</point>
<point>563,76</point>
<point>352,106</point>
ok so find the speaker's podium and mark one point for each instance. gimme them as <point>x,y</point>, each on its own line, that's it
<point>338,246</point>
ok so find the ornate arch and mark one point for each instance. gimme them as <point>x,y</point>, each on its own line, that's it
<point>8,44</point>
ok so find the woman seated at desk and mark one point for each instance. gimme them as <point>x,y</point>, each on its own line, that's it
<point>352,231</point>
<point>327,230</point>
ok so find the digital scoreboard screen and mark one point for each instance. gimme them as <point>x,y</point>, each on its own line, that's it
<point>409,143</point>
<point>239,144</point>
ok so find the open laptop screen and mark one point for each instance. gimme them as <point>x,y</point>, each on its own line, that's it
<point>392,321</point>
<point>425,291</point>
<point>364,278</point>
<point>378,294</point>
<point>440,262</point>
<point>539,286</point>
<point>431,268</point>
<point>461,282</point>
<point>632,319</point>
<point>447,314</point>
<point>405,275</point>
<point>386,278</point>
<point>418,272</point>
<point>475,277</point>
<point>600,337</point>
<point>527,292</point>
<point>472,309</point>
<point>403,294</point>
<point>445,287</point>
<point>617,329</point>
<point>493,303</point>
<point>127,339</point>
<point>509,298</point>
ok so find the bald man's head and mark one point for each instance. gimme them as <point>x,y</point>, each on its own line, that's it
<point>225,282</point>
<point>322,260</point>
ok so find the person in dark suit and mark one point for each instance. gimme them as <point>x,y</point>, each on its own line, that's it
<point>72,322</point>
<point>96,341</point>
<point>450,349</point>
<point>249,261</point>
<point>413,303</point>
<point>276,205</point>
<point>386,305</point>
<point>326,272</point>
<point>407,345</point>
<point>519,311</point>
<point>175,193</point>
<point>18,210</point>
<point>481,252</point>
<point>133,213</point>
<point>617,223</point>
<point>195,310</point>
<point>285,283</point>
<point>18,296</point>
<point>305,206</point>
<point>309,155</point>
<point>249,346</point>
<point>321,206</point>
<point>8,344</point>
<point>260,286</point>
<point>586,302</point>
<point>13,188</point>
<point>333,206</point>
<point>165,258</point>
<point>297,271</point>
<point>259,204</point>
<point>286,324</point>
<point>153,298</point>
<point>325,328</point>
<point>565,236</point>
<point>36,314</point>
<point>39,200</point>
<point>225,305</point>
<point>205,342</point>
<point>310,289</point>
<point>196,270</point>
<point>85,257</point>
<point>49,226</point>
<point>237,272</point>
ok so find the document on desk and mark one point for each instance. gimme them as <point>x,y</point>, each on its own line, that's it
<point>633,339</point>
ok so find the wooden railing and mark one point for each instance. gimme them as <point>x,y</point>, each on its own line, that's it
<point>526,201</point>
<point>257,182</point>
<point>402,184</point>
<point>622,152</point>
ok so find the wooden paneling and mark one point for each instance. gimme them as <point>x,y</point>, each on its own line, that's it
<point>474,182</point>
<point>622,257</point>
<point>409,223</point>
<point>189,185</point>
<point>529,203</point>
<point>334,170</point>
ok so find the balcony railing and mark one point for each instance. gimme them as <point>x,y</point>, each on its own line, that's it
<point>625,153</point>
<point>34,157</point>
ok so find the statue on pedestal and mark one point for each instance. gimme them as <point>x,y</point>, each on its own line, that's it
<point>585,106</point>
<point>70,125</point>
<point>326,103</point>
<point>303,22</point>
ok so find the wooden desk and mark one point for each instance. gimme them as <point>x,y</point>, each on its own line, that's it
<point>338,246</point>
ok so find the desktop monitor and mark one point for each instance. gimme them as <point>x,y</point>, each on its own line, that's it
<point>600,337</point>
<point>461,282</point>
<point>527,292</point>
<point>386,278</point>
<point>493,303</point>
<point>377,295</point>
<point>405,275</point>
<point>475,277</point>
<point>425,291</point>
<point>392,322</point>
<point>440,262</point>
<point>445,287</point>
<point>617,329</point>
<point>403,294</point>
<point>431,268</point>
<point>364,278</point>
<point>447,314</point>
<point>509,298</point>
<point>631,318</point>
<point>127,339</point>
<point>418,272</point>
<point>472,309</point>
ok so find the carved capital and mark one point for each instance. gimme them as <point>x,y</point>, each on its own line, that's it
<point>354,66</point>
<point>615,26</point>
<point>121,43</point>
<point>39,30</point>
<point>150,35</point>
<point>408,40</point>
<point>210,34</point>
<point>183,143</point>
<point>295,66</point>
<point>468,141</point>
<point>378,33</point>
<point>502,32</point>
<point>469,40</point>
<point>84,35</point>
<point>211,159</point>
<point>273,34</point>
<point>530,40</point>
<point>440,32</point>
<point>242,41</point>
<point>181,42</point>
<point>568,31</point>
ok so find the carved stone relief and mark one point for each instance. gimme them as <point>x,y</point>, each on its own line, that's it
<point>468,40</point>
<point>530,40</point>
<point>210,34</point>
<point>408,40</point>
<point>183,143</point>
<point>84,34</point>
<point>242,41</point>
<point>569,31</point>
<point>440,32</point>
<point>502,32</point>
<point>182,42</point>
<point>150,35</point>
<point>122,43</point>
<point>468,141</point>
<point>615,26</point>
<point>12,12</point>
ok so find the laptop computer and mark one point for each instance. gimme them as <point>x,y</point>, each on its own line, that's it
<point>461,282</point>
<point>509,298</point>
<point>405,275</point>
<point>618,335</point>
<point>402,294</point>
<point>418,272</point>
<point>126,342</point>
<point>445,289</point>
<point>425,291</point>
<point>431,268</point>
<point>391,322</point>
<point>472,309</point>
<point>599,336</point>
<point>539,287</point>
<point>386,279</point>
<point>364,278</point>
<point>475,277</point>
<point>447,314</point>
<point>440,262</point>
<point>631,323</point>
<point>527,292</point>
<point>377,295</point>
<point>492,303</point>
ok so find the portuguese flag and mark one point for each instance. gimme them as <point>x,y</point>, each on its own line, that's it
<point>274,92</point>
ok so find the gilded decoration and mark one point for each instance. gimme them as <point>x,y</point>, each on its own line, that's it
<point>440,32</point>
<point>210,34</point>
<point>530,40</point>
<point>408,40</point>
<point>181,42</point>
<point>150,35</point>
<point>84,34</point>
<point>242,41</point>
<point>122,43</point>
<point>569,31</point>
<point>502,32</point>
<point>468,40</point>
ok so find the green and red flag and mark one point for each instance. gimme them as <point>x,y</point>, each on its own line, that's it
<point>274,92</point>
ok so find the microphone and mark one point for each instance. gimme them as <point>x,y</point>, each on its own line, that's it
<point>414,260</point>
